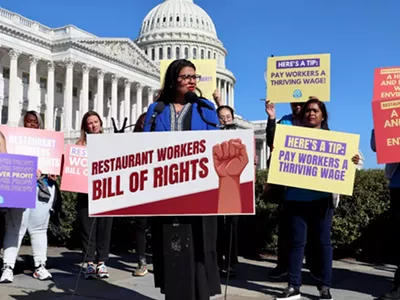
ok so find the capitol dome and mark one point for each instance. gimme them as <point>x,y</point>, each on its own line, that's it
<point>179,16</point>
<point>177,29</point>
<point>180,29</point>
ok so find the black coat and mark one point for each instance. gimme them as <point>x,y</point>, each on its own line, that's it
<point>185,254</point>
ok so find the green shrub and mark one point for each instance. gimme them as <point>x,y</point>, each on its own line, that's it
<point>361,220</point>
<point>359,226</point>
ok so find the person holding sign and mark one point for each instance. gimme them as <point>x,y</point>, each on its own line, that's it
<point>278,192</point>
<point>310,212</point>
<point>95,232</point>
<point>392,172</point>
<point>191,272</point>
<point>227,242</point>
<point>35,221</point>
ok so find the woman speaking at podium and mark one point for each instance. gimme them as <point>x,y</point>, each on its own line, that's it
<point>191,273</point>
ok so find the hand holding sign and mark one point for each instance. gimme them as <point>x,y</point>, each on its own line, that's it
<point>356,159</point>
<point>230,158</point>
<point>270,109</point>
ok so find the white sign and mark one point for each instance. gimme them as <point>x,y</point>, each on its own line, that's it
<point>171,173</point>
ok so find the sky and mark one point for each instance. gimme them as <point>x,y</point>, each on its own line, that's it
<point>360,35</point>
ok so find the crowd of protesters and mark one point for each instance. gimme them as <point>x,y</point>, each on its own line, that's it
<point>304,223</point>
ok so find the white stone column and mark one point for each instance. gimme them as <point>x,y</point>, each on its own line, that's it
<point>68,99</point>
<point>227,95</point>
<point>114,97</point>
<point>33,102</point>
<point>218,85</point>
<point>50,96</point>
<point>85,89</point>
<point>139,102</point>
<point>165,52</point>
<point>99,104</point>
<point>223,92</point>
<point>150,97</point>
<point>265,155</point>
<point>133,113</point>
<point>229,90</point>
<point>127,101</point>
<point>233,96</point>
<point>13,91</point>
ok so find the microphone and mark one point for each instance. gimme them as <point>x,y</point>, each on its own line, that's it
<point>157,110</point>
<point>191,97</point>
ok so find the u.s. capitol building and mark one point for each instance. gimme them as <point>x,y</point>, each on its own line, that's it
<point>64,72</point>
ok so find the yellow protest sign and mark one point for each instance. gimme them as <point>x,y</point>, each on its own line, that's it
<point>314,159</point>
<point>206,68</point>
<point>295,78</point>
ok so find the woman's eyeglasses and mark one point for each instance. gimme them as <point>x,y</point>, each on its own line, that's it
<point>187,77</point>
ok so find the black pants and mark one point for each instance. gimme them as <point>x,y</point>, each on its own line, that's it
<point>395,228</point>
<point>140,232</point>
<point>227,229</point>
<point>284,235</point>
<point>311,221</point>
<point>95,233</point>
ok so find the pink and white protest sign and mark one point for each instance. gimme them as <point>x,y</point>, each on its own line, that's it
<point>75,171</point>
<point>46,145</point>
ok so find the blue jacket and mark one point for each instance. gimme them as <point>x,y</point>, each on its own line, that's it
<point>163,121</point>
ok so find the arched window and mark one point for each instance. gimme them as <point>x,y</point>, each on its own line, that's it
<point>160,53</point>
<point>153,54</point>
<point>202,54</point>
<point>177,53</point>
<point>177,18</point>
<point>169,53</point>
<point>215,55</point>
<point>145,52</point>
<point>164,19</point>
<point>186,53</point>
<point>209,54</point>
<point>194,53</point>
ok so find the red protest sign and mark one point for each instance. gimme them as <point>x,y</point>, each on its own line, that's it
<point>387,84</point>
<point>75,171</point>
<point>387,134</point>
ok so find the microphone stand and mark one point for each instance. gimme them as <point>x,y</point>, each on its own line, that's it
<point>153,125</point>
<point>124,126</point>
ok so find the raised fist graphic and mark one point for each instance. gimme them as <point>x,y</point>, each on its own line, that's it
<point>230,158</point>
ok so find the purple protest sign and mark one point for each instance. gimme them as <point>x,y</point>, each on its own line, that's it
<point>17,181</point>
<point>298,63</point>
